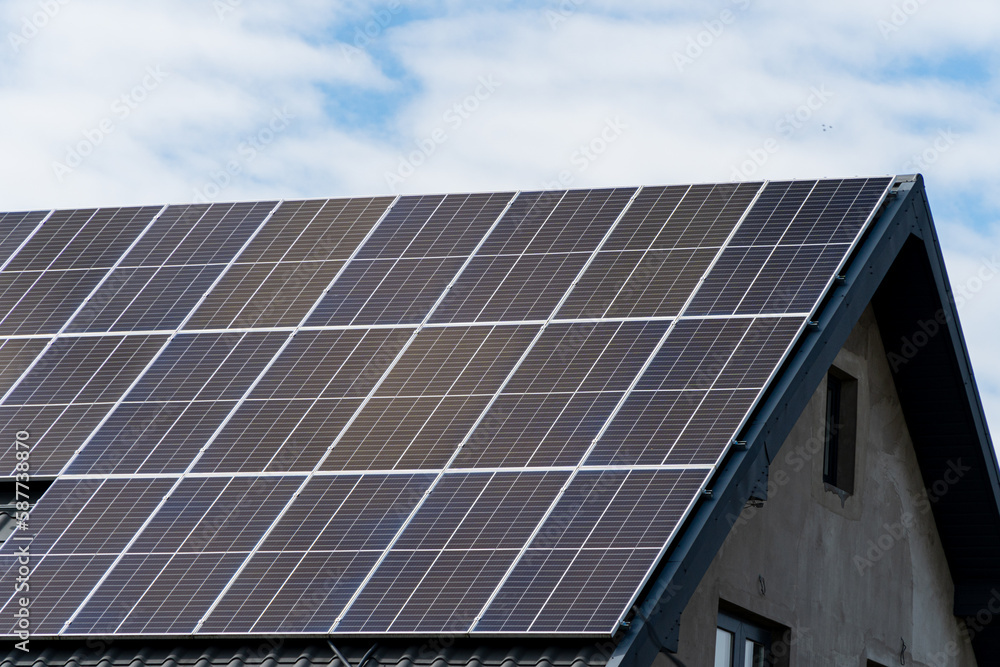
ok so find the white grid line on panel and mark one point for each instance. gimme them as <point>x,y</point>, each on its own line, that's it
<point>643,254</point>
<point>171,336</point>
<point>122,266</point>
<point>771,377</point>
<point>429,325</point>
<point>353,417</point>
<point>138,532</point>
<point>302,554</point>
<point>615,411</point>
<point>238,403</point>
<point>774,247</point>
<point>390,472</point>
<point>855,242</point>
<point>25,242</point>
<point>485,410</point>
<point>79,308</point>
<point>218,496</point>
<point>69,524</point>
<point>809,316</point>
<point>576,551</point>
<point>722,368</point>
<point>439,552</point>
<point>360,407</point>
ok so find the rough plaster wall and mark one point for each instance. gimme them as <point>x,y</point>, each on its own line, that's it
<point>851,581</point>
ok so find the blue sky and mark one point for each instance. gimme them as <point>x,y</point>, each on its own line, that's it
<point>108,102</point>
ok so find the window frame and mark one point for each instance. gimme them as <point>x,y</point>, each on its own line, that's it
<point>742,630</point>
<point>840,432</point>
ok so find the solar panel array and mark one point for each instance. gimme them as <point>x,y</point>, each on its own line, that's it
<point>482,413</point>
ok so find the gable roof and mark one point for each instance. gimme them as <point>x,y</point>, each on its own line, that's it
<point>776,250</point>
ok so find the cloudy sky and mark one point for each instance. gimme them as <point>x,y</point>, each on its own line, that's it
<point>110,102</point>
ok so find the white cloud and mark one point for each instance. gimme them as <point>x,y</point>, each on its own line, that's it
<point>358,113</point>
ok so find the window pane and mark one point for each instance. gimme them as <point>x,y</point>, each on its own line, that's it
<point>753,656</point>
<point>723,648</point>
<point>833,427</point>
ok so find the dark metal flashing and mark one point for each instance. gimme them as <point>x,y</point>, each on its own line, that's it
<point>876,275</point>
<point>284,652</point>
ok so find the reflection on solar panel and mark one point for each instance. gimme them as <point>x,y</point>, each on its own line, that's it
<point>477,413</point>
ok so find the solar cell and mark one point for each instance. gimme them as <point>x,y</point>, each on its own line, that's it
<point>329,364</point>
<point>207,367</point>
<point>277,435</point>
<point>16,355</point>
<point>453,553</point>
<point>538,429</point>
<point>457,361</point>
<point>656,283</point>
<point>67,392</point>
<point>15,228</point>
<point>264,295</point>
<point>385,291</point>
<point>318,554</point>
<point>406,433</point>
<point>62,583</point>
<point>682,411</point>
<point>79,526</point>
<point>590,356</point>
<point>154,594</point>
<point>559,221</point>
<point>143,438</point>
<point>290,592</point>
<point>435,226</point>
<point>778,273</point>
<point>82,239</point>
<point>39,302</point>
<point>697,216</point>
<point>56,433</point>
<point>85,370</point>
<point>289,264</point>
<point>188,551</point>
<point>145,298</point>
<point>315,230</point>
<point>571,578</point>
<point>498,288</point>
<point>198,234</point>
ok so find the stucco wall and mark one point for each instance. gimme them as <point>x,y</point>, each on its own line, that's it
<point>852,582</point>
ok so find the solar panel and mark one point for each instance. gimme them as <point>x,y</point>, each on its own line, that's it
<point>318,553</point>
<point>15,230</point>
<point>437,414</point>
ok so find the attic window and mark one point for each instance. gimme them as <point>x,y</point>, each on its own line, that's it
<point>840,431</point>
